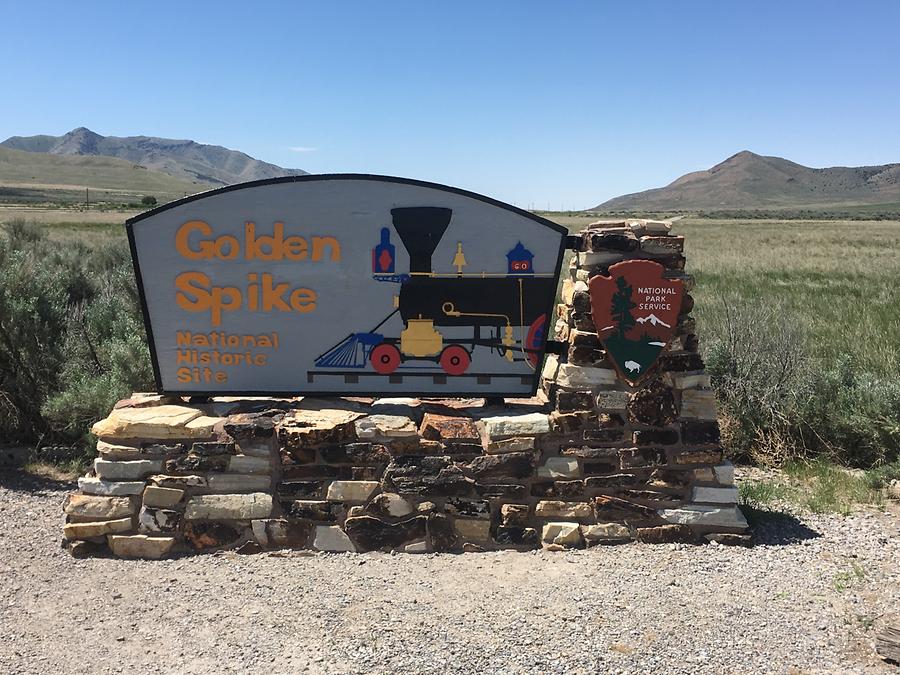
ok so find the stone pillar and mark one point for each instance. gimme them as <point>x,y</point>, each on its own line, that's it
<point>649,455</point>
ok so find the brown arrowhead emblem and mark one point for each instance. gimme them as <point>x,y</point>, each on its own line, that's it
<point>635,311</point>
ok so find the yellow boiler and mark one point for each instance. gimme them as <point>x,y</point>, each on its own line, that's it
<point>419,338</point>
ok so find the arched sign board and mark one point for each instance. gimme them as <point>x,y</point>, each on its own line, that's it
<point>346,285</point>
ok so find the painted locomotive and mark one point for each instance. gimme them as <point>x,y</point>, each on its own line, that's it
<point>490,308</point>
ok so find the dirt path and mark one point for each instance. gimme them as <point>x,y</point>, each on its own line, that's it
<point>807,598</point>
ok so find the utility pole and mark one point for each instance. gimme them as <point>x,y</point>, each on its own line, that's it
<point>87,198</point>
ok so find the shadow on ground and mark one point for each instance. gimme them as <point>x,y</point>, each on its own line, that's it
<point>776,528</point>
<point>21,481</point>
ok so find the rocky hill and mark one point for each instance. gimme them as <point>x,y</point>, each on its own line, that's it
<point>750,181</point>
<point>183,159</point>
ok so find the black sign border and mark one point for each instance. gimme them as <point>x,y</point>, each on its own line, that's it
<point>131,222</point>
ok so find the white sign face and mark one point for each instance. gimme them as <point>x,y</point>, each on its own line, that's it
<point>346,285</point>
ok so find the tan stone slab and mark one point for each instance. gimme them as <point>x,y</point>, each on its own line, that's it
<point>383,428</point>
<point>203,426</point>
<point>698,404</point>
<point>503,445</point>
<point>558,509</point>
<point>694,381</point>
<point>306,428</point>
<point>162,498</point>
<point>95,486</point>
<point>584,377</point>
<point>162,422</point>
<point>551,367</point>
<point>246,464</point>
<point>473,530</point>
<point>712,516</point>
<point>656,227</point>
<point>96,529</point>
<point>333,539</point>
<point>93,506</point>
<point>562,534</point>
<point>559,467</point>
<point>590,259</point>
<point>140,546</point>
<point>605,532</point>
<point>229,507</point>
<point>147,400</point>
<point>507,426</point>
<point>222,483</point>
<point>126,469</point>
<point>351,491</point>
<point>178,482</point>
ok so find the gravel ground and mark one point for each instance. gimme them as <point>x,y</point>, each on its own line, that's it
<point>809,597</point>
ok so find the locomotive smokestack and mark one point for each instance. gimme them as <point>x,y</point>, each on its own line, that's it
<point>421,229</point>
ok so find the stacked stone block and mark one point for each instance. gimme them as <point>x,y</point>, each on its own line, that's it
<point>589,461</point>
<point>171,477</point>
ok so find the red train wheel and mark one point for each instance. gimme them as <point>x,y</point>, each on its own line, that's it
<point>455,360</point>
<point>535,338</point>
<point>385,358</point>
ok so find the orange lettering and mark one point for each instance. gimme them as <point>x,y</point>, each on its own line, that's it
<point>182,240</point>
<point>319,244</point>
<point>295,248</point>
<point>272,295</point>
<point>303,300</point>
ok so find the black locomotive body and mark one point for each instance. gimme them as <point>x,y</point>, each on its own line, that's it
<point>474,311</point>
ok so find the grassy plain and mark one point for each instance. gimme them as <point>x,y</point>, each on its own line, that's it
<point>39,178</point>
<point>835,281</point>
<point>818,486</point>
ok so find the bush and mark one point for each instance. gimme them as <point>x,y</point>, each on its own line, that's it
<point>148,201</point>
<point>780,403</point>
<point>105,356</point>
<point>71,337</point>
<point>33,301</point>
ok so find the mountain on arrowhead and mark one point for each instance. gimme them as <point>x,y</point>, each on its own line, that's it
<point>653,320</point>
<point>183,159</point>
<point>750,181</point>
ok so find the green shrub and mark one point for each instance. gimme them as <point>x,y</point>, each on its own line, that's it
<point>71,337</point>
<point>780,403</point>
<point>105,357</point>
<point>33,305</point>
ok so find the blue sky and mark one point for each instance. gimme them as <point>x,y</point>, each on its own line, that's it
<point>542,104</point>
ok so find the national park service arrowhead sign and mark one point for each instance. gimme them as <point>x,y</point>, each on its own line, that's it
<point>635,310</point>
<point>346,284</point>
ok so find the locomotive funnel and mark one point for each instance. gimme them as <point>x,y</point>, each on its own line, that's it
<point>421,229</point>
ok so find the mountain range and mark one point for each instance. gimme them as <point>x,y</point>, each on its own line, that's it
<point>183,159</point>
<point>750,181</point>
<point>146,163</point>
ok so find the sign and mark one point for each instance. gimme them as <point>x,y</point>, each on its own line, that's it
<point>345,284</point>
<point>635,311</point>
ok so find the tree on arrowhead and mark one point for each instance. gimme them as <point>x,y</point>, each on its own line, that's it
<point>622,306</point>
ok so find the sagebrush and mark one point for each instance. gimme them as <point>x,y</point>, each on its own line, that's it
<point>71,336</point>
<point>780,401</point>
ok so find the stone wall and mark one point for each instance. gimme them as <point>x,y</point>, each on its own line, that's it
<point>588,461</point>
